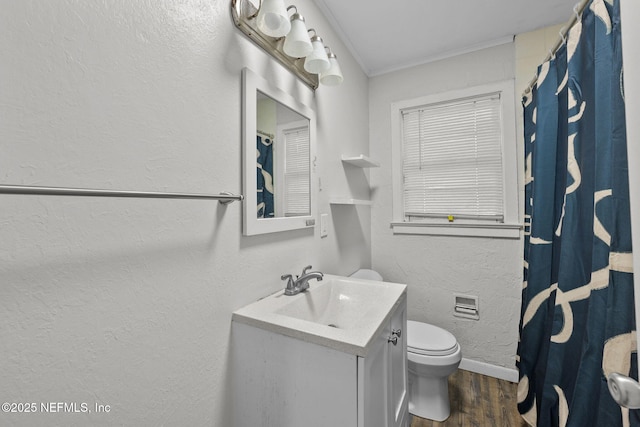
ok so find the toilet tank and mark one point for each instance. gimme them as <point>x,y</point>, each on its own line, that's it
<point>364,273</point>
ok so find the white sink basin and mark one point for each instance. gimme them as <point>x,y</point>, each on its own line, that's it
<point>335,303</point>
<point>338,312</point>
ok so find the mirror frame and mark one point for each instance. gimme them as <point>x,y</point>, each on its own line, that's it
<point>251,225</point>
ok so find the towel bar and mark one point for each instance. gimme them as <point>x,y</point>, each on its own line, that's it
<point>223,197</point>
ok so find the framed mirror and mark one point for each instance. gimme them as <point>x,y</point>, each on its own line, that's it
<point>278,138</point>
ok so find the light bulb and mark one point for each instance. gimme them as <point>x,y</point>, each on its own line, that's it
<point>333,75</point>
<point>317,61</point>
<point>297,43</point>
<point>273,19</point>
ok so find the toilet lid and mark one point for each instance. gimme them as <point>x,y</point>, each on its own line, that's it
<point>423,338</point>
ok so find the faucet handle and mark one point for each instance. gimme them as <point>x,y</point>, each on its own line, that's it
<point>304,270</point>
<point>289,279</point>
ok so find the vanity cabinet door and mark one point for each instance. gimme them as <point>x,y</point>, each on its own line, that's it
<point>397,369</point>
<point>373,383</point>
<point>382,376</point>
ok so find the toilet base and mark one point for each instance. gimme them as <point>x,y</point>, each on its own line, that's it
<point>429,397</point>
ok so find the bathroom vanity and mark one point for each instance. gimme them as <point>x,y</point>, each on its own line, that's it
<point>334,355</point>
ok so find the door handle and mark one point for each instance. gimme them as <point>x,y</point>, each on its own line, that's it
<point>624,390</point>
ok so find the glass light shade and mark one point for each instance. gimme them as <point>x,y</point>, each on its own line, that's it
<point>273,19</point>
<point>333,76</point>
<point>317,61</point>
<point>297,43</point>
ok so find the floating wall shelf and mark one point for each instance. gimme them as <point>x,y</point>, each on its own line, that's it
<point>360,161</point>
<point>338,201</point>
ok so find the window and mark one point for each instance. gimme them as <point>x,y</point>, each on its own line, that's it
<point>455,163</point>
<point>295,180</point>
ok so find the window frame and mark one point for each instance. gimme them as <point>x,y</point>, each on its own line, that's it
<point>510,226</point>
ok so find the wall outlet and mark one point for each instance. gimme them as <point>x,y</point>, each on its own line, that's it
<point>324,225</point>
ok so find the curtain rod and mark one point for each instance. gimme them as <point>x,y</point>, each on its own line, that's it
<point>577,9</point>
<point>223,197</point>
<point>270,135</point>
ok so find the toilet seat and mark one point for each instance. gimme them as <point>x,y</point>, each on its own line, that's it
<point>429,340</point>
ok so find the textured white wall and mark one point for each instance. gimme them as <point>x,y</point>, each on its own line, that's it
<point>128,302</point>
<point>437,267</point>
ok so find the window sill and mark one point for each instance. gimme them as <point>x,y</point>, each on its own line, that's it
<point>497,231</point>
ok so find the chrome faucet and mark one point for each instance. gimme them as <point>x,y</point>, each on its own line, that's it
<point>301,283</point>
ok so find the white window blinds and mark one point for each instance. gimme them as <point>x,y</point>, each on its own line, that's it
<point>296,172</point>
<point>452,159</point>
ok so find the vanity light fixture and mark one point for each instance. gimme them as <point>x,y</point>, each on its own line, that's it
<point>273,19</point>
<point>286,38</point>
<point>333,75</point>
<point>297,43</point>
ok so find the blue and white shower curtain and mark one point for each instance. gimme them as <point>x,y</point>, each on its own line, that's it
<point>577,323</point>
<point>264,171</point>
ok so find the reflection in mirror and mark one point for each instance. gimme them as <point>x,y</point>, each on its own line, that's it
<point>283,172</point>
<point>278,159</point>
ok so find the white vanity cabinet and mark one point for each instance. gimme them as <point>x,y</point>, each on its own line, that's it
<point>280,379</point>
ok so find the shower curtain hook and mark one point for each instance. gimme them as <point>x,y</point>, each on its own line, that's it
<point>575,10</point>
<point>562,35</point>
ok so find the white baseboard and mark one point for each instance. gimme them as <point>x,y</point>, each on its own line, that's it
<point>500,372</point>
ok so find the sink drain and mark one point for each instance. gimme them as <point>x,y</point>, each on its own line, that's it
<point>331,325</point>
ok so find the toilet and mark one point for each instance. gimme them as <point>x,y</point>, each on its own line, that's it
<point>433,354</point>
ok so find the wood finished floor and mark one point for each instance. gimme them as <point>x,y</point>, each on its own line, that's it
<point>478,401</point>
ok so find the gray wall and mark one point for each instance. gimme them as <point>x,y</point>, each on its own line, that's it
<point>436,267</point>
<point>128,302</point>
